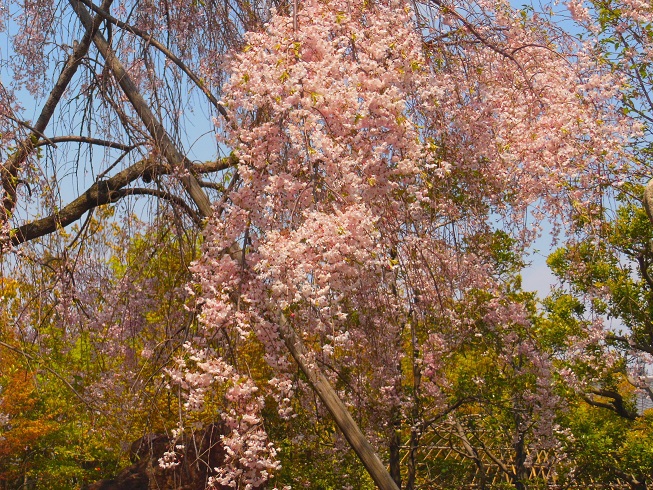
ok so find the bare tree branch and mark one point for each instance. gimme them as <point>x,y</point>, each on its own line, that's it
<point>616,404</point>
<point>629,342</point>
<point>100,193</point>
<point>106,192</point>
<point>216,165</point>
<point>10,170</point>
<point>86,139</point>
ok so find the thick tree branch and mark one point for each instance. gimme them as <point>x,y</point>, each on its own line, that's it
<point>630,343</point>
<point>216,165</point>
<point>211,185</point>
<point>100,193</point>
<point>616,402</point>
<point>109,191</point>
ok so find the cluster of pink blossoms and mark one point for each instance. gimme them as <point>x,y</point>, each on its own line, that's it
<point>371,156</point>
<point>249,455</point>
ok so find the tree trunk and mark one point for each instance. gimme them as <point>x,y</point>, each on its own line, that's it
<point>395,444</point>
<point>521,472</point>
<point>341,415</point>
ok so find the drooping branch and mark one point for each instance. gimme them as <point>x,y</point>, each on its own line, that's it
<point>86,139</point>
<point>31,128</point>
<point>142,108</point>
<point>163,49</point>
<point>451,408</point>
<point>166,196</point>
<point>92,407</point>
<point>167,148</point>
<point>470,27</point>
<point>641,385</point>
<point>10,170</point>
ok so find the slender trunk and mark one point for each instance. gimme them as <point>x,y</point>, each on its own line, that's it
<point>473,455</point>
<point>341,415</point>
<point>412,464</point>
<point>521,472</point>
<point>395,413</point>
<point>395,444</point>
<point>415,432</point>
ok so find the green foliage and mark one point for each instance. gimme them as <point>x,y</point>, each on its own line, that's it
<point>608,448</point>
<point>82,435</point>
<point>613,274</point>
<point>607,276</point>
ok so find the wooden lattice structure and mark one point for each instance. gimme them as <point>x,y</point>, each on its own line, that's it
<point>441,466</point>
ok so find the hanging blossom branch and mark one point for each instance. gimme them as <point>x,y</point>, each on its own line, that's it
<point>176,160</point>
<point>353,148</point>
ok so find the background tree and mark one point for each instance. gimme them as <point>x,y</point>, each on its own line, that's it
<point>606,269</point>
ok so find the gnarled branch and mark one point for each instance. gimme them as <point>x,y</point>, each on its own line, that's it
<point>108,191</point>
<point>616,402</point>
